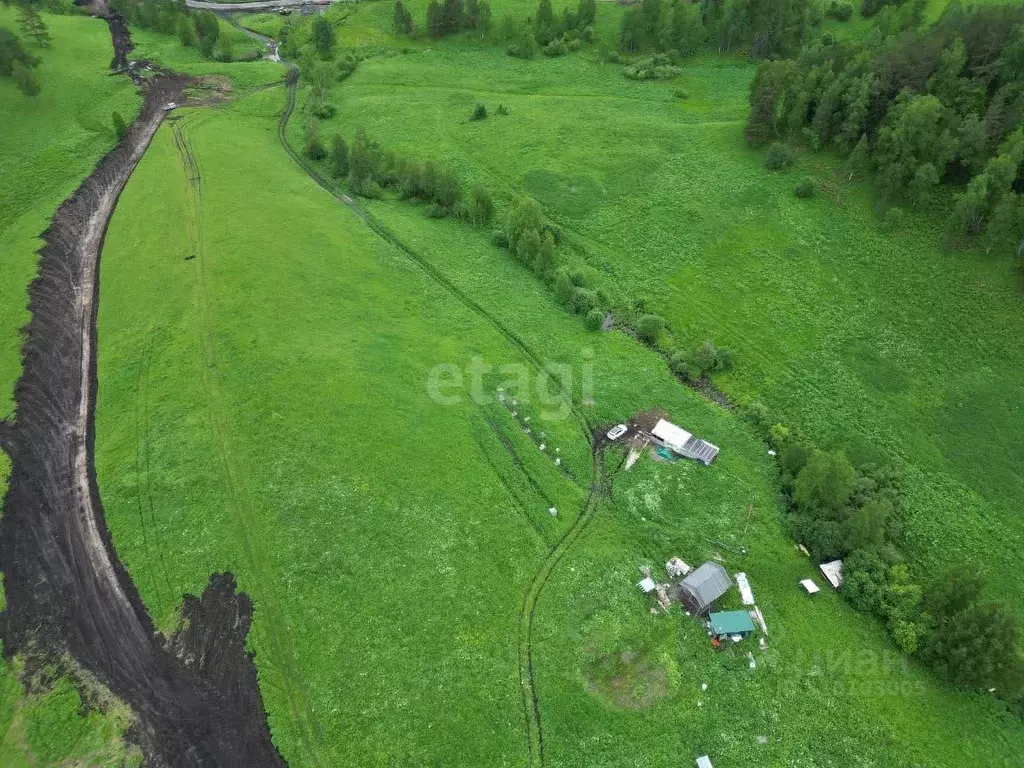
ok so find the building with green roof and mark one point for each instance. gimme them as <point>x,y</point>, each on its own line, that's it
<point>730,623</point>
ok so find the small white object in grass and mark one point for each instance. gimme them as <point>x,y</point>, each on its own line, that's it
<point>527,418</point>
<point>753,664</point>
<point>703,686</point>
<point>762,739</point>
<point>771,452</point>
<point>553,511</point>
<point>558,462</point>
<point>700,703</point>
<point>542,446</point>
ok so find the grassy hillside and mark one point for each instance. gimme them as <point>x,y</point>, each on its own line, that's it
<point>265,406</point>
<point>46,149</point>
<point>876,342</point>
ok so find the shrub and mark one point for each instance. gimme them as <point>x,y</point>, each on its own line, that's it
<point>657,67</point>
<point>587,35</point>
<point>347,65</point>
<point>806,187</point>
<point>562,287</point>
<point>556,48</point>
<point>649,327</point>
<point>501,110</point>
<point>574,45</point>
<point>120,129</point>
<point>479,112</point>
<point>700,361</point>
<point>480,208</point>
<point>892,219</point>
<point>324,111</point>
<point>339,157</point>
<point>370,189</point>
<point>499,238</point>
<point>778,157</point>
<point>436,211</point>
<point>840,10</point>
<point>594,320</point>
<point>314,149</point>
<point>525,47</point>
<point>680,94</point>
<point>582,300</point>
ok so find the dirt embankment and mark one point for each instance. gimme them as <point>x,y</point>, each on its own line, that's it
<point>195,696</point>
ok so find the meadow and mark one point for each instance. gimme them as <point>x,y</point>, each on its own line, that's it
<point>265,407</point>
<point>877,342</point>
<point>287,395</point>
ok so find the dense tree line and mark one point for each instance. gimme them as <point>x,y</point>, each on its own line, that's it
<point>839,511</point>
<point>369,169</point>
<point>550,33</point>
<point>172,17</point>
<point>915,108</point>
<point>447,18</point>
<point>662,25</point>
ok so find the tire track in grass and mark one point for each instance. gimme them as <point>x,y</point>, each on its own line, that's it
<point>302,715</point>
<point>144,481</point>
<point>528,608</point>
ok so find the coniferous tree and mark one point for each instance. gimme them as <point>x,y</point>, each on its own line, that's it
<point>323,37</point>
<point>31,23</point>
<point>435,19</point>
<point>403,19</point>
<point>339,157</point>
<point>544,21</point>
<point>472,14</point>
<point>25,79</point>
<point>452,15</point>
<point>483,18</point>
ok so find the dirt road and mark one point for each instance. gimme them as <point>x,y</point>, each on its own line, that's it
<point>194,696</point>
<point>260,6</point>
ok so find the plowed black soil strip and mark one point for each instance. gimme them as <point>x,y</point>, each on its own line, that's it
<point>195,698</point>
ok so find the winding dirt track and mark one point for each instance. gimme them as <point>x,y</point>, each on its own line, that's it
<point>527,612</point>
<point>194,696</point>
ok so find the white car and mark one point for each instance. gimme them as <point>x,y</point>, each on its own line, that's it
<point>169,106</point>
<point>617,431</point>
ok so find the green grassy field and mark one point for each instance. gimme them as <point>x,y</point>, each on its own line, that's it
<point>46,149</point>
<point>264,407</point>
<point>879,343</point>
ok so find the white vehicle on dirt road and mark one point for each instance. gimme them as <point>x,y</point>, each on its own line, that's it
<point>617,431</point>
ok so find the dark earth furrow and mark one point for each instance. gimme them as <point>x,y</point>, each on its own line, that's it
<point>194,696</point>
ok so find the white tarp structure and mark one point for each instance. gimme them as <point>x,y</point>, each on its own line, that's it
<point>704,762</point>
<point>671,435</point>
<point>833,573</point>
<point>676,567</point>
<point>744,587</point>
<point>647,585</point>
<point>810,586</point>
